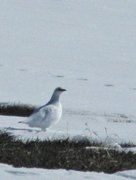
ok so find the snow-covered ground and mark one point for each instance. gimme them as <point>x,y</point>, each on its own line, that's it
<point>87,47</point>
<point>9,172</point>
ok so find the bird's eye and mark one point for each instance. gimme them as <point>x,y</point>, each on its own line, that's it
<point>59,89</point>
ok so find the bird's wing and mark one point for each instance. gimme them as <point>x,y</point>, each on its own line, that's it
<point>45,112</point>
<point>40,114</point>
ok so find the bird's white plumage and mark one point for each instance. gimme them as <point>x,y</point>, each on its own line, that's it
<point>47,115</point>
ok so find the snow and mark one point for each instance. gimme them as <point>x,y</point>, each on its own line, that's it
<point>9,172</point>
<point>81,46</point>
<point>87,47</point>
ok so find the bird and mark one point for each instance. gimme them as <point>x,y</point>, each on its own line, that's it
<point>47,115</point>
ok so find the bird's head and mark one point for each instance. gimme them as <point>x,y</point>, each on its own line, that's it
<point>56,94</point>
<point>59,90</point>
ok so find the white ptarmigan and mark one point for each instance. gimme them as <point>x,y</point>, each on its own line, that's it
<point>48,114</point>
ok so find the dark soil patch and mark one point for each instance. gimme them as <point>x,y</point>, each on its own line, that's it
<point>59,153</point>
<point>22,110</point>
<point>63,154</point>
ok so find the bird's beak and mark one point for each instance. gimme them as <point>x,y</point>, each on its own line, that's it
<point>63,89</point>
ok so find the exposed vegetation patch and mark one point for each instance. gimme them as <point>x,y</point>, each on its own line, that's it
<point>63,154</point>
<point>76,155</point>
<point>22,110</point>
